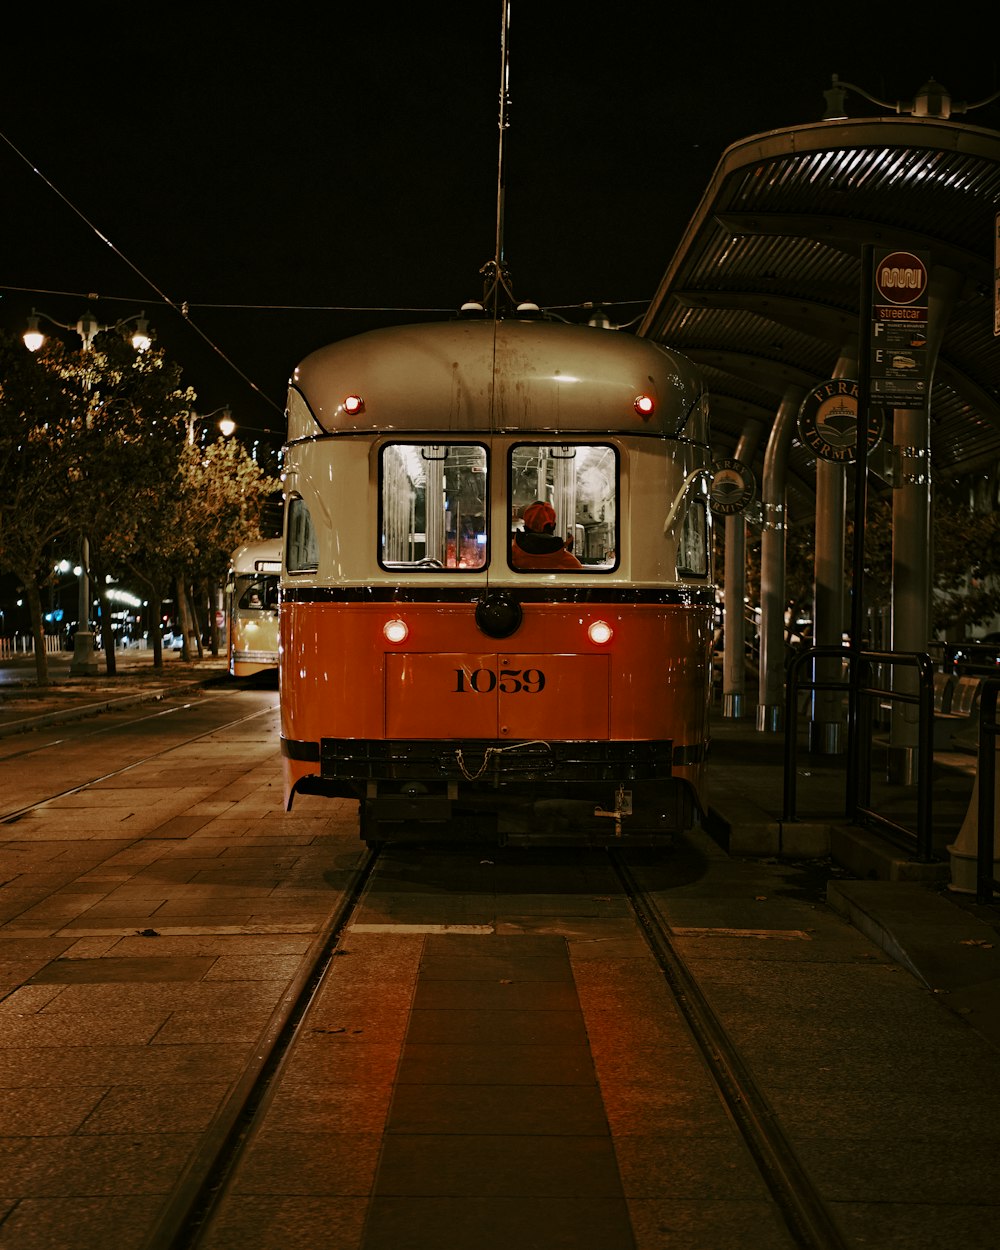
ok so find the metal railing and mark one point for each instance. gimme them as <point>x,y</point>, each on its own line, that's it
<point>862,692</point>
<point>792,688</point>
<point>986,883</point>
<point>24,644</point>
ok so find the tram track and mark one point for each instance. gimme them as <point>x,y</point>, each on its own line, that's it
<point>49,743</point>
<point>17,813</point>
<point>212,1173</point>
<point>738,1057</point>
<point>802,1209</point>
<point>189,1210</point>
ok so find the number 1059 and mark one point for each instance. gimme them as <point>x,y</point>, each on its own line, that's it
<point>507,681</point>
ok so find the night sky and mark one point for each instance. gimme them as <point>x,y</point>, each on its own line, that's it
<point>316,171</point>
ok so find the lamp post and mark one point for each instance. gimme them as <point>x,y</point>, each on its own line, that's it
<point>226,423</point>
<point>88,327</point>
<point>198,423</point>
<point>931,100</point>
<point>84,662</point>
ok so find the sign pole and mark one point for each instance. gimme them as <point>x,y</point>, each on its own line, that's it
<point>860,514</point>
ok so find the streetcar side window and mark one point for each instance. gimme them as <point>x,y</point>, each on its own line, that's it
<point>692,549</point>
<point>563,507</point>
<point>432,506</point>
<point>301,548</point>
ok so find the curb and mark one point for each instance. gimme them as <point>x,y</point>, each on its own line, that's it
<point>794,839</point>
<point>921,931</point>
<point>80,711</point>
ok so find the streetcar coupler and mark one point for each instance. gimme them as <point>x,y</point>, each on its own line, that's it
<point>623,807</point>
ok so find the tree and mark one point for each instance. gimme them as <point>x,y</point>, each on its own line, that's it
<point>38,504</point>
<point>798,571</point>
<point>966,568</point>
<point>94,443</point>
<point>126,451</point>
<point>225,493</point>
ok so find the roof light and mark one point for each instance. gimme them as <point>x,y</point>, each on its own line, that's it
<point>644,406</point>
<point>353,405</point>
<point>395,631</point>
<point>599,632</point>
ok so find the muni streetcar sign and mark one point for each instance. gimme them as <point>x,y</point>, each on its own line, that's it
<point>900,363</point>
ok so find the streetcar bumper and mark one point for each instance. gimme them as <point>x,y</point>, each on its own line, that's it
<point>585,792</point>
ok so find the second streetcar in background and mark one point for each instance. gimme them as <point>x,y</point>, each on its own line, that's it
<point>252,590</point>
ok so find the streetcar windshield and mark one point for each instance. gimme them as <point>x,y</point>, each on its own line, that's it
<point>563,507</point>
<point>256,591</point>
<point>433,506</point>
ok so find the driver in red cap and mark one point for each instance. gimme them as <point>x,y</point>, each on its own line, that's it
<point>537,545</point>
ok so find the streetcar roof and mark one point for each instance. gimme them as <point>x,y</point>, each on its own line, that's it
<point>263,556</point>
<point>485,375</point>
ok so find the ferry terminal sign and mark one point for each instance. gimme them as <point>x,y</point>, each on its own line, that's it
<point>828,421</point>
<point>733,487</point>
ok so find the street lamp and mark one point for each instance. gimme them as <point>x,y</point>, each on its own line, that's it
<point>84,663</point>
<point>88,327</point>
<point>932,100</point>
<point>226,423</point>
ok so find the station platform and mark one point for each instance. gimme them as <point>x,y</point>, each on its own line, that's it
<point>885,1084</point>
<point>907,907</point>
<point>943,937</point>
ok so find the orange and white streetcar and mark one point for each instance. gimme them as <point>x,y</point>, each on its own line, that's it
<point>497,602</point>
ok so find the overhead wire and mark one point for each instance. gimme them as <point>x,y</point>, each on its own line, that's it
<point>183,307</point>
<point>180,309</point>
<point>186,305</point>
<point>581,305</point>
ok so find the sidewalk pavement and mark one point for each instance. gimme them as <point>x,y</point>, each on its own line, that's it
<point>24,705</point>
<point>908,908</point>
<point>943,937</point>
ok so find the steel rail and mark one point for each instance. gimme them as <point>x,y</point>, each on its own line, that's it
<point>11,817</point>
<point>187,1213</point>
<point>806,1215</point>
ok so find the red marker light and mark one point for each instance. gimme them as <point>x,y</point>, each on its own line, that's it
<point>354,404</point>
<point>644,406</point>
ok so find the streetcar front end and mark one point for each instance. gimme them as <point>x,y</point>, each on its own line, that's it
<point>496,613</point>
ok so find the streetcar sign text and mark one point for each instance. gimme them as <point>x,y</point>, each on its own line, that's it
<point>508,681</point>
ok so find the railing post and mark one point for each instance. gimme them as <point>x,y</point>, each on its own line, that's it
<point>861,794</point>
<point>925,764</point>
<point>791,735</point>
<point>987,767</point>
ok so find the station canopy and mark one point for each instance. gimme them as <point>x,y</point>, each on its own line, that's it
<point>764,290</point>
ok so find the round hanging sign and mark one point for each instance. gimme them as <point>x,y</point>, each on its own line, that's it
<point>732,489</point>
<point>901,278</point>
<point>828,421</point>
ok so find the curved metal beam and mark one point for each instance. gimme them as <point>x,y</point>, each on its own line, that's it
<point>850,234</point>
<point>773,375</point>
<point>823,321</point>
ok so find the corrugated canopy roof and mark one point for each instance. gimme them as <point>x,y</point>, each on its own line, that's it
<point>765,288</point>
